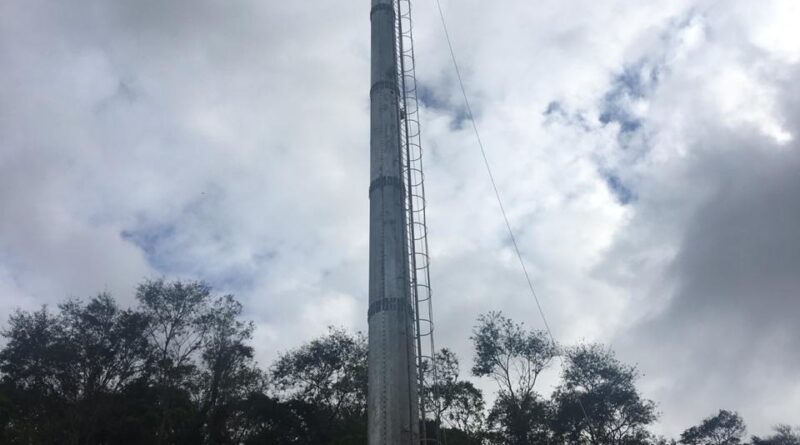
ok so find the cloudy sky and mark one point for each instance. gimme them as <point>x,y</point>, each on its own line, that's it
<point>648,154</point>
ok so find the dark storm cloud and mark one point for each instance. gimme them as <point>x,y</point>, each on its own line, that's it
<point>737,305</point>
<point>727,335</point>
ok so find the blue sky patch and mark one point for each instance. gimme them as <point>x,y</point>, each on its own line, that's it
<point>634,83</point>
<point>621,192</point>
<point>150,240</point>
<point>428,98</point>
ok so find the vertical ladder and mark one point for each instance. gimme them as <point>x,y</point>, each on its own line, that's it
<point>416,222</point>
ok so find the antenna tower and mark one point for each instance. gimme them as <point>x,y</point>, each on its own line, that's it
<point>401,347</point>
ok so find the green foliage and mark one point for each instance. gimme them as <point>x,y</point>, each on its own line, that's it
<point>726,428</point>
<point>520,421</point>
<point>784,435</point>
<point>65,373</point>
<point>171,371</point>
<point>179,369</point>
<point>324,383</point>
<point>180,315</point>
<point>514,358</point>
<point>331,371</point>
<point>456,405</point>
<point>598,402</point>
<point>509,354</point>
<point>465,411</point>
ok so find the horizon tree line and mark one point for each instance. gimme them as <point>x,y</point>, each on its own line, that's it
<point>179,368</point>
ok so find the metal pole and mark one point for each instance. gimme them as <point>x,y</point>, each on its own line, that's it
<point>392,400</point>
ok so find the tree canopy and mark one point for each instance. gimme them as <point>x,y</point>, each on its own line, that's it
<point>725,428</point>
<point>179,368</point>
<point>598,401</point>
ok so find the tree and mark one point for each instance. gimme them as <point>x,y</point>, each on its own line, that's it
<point>34,381</point>
<point>457,405</point>
<point>324,382</point>
<point>465,414</point>
<point>598,402</point>
<point>784,435</point>
<point>67,373</point>
<point>229,373</point>
<point>514,358</point>
<point>511,356</point>
<point>179,314</point>
<point>180,319</point>
<point>726,428</point>
<point>268,420</point>
<point>178,369</point>
<point>520,421</point>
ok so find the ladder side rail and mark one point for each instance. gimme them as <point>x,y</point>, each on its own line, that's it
<point>417,208</point>
<point>405,154</point>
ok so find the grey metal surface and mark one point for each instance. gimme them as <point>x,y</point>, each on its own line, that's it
<point>392,400</point>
